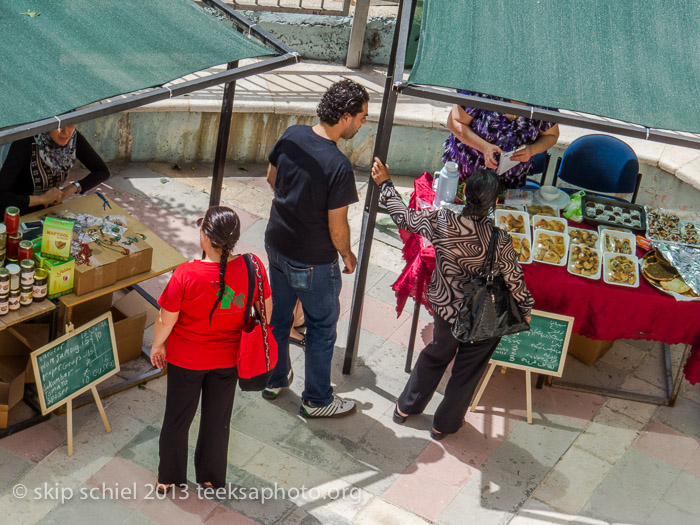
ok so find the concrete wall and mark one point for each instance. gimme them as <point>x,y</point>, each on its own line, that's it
<point>326,38</point>
<point>172,136</point>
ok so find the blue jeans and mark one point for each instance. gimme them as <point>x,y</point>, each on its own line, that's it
<point>318,288</point>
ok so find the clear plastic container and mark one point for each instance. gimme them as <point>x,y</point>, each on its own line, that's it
<point>584,237</point>
<point>555,224</point>
<point>614,241</point>
<point>585,261</point>
<point>550,247</point>
<point>523,247</point>
<point>513,221</point>
<point>621,270</point>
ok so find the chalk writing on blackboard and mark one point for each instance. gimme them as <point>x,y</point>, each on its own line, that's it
<point>541,349</point>
<point>74,362</point>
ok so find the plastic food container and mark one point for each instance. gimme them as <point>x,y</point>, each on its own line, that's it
<point>614,241</point>
<point>555,224</point>
<point>543,209</point>
<point>523,247</point>
<point>550,247</point>
<point>621,270</point>
<point>585,261</point>
<point>584,237</point>
<point>513,221</point>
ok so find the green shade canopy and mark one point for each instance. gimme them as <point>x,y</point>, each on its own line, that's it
<point>630,60</point>
<point>62,54</point>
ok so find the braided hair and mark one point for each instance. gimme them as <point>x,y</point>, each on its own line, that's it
<point>223,227</point>
<point>480,193</point>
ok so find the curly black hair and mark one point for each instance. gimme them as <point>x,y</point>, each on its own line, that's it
<point>342,97</point>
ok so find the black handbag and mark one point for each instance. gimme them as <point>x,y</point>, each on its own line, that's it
<point>489,309</point>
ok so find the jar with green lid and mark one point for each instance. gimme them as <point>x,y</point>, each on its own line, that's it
<point>4,281</point>
<point>14,299</point>
<point>26,273</point>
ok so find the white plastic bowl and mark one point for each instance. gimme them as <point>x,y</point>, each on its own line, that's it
<point>549,193</point>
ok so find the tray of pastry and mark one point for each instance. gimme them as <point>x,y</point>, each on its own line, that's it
<point>583,237</point>
<point>584,261</point>
<point>542,209</point>
<point>615,241</point>
<point>522,247</point>
<point>554,224</point>
<point>513,221</point>
<point>611,212</point>
<point>621,270</point>
<point>550,247</point>
<point>667,226</point>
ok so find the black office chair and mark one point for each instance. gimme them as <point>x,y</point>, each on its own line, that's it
<point>600,164</point>
<point>540,164</point>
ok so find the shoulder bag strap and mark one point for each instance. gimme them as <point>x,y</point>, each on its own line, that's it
<point>251,286</point>
<point>263,319</point>
<point>487,270</point>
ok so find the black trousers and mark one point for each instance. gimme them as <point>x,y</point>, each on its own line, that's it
<point>470,362</point>
<point>217,388</point>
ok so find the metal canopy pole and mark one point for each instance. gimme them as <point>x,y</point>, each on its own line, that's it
<point>217,179</point>
<point>579,121</point>
<point>381,148</point>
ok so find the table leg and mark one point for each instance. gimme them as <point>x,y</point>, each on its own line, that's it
<point>528,395</point>
<point>412,337</point>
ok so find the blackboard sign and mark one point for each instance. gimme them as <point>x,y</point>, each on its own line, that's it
<point>75,362</point>
<point>542,349</point>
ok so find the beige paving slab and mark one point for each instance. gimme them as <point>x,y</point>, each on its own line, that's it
<point>609,435</point>
<point>379,511</point>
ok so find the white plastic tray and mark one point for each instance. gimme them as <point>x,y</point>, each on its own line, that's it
<point>523,238</point>
<point>537,239</point>
<point>502,221</point>
<point>611,239</point>
<point>575,233</point>
<point>574,258</point>
<point>544,222</point>
<point>607,271</point>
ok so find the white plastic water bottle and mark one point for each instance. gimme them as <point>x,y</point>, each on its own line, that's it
<point>445,184</point>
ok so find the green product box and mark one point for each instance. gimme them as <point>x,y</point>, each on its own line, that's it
<point>56,238</point>
<point>61,274</point>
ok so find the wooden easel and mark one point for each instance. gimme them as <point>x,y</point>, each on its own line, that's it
<point>528,389</point>
<point>69,409</point>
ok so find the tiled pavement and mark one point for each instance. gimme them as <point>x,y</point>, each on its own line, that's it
<point>586,459</point>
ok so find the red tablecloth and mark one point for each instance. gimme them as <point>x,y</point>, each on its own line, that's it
<point>600,310</point>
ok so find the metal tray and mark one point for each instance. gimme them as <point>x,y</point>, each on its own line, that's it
<point>614,213</point>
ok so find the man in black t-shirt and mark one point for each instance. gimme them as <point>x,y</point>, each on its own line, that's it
<point>314,185</point>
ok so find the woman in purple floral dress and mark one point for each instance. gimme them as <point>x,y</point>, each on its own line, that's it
<point>478,135</point>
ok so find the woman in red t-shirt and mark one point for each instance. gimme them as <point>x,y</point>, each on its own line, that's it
<point>201,318</point>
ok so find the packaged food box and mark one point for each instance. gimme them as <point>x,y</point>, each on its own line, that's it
<point>56,237</point>
<point>585,261</point>
<point>523,247</point>
<point>543,222</point>
<point>543,209</point>
<point>513,221</point>
<point>618,242</point>
<point>550,247</point>
<point>583,237</point>
<point>519,197</point>
<point>61,274</point>
<point>622,270</point>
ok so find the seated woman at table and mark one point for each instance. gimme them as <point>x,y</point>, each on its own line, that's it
<point>479,135</point>
<point>36,169</point>
<point>201,319</point>
<point>460,243</point>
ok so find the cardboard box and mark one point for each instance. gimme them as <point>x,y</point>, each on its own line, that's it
<point>588,350</point>
<point>134,303</point>
<point>13,362</point>
<point>33,336</point>
<point>128,326</point>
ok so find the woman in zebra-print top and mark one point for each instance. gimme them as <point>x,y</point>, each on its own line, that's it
<point>460,243</point>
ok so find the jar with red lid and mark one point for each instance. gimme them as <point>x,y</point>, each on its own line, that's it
<point>13,245</point>
<point>12,219</point>
<point>25,251</point>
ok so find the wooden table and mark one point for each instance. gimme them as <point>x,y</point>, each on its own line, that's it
<point>165,257</point>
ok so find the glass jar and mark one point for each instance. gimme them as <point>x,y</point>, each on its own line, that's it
<point>25,295</point>
<point>12,220</point>
<point>14,300</point>
<point>13,245</point>
<point>4,281</point>
<point>26,272</point>
<point>4,303</point>
<point>25,251</point>
<point>41,277</point>
<point>14,276</point>
<point>3,241</point>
